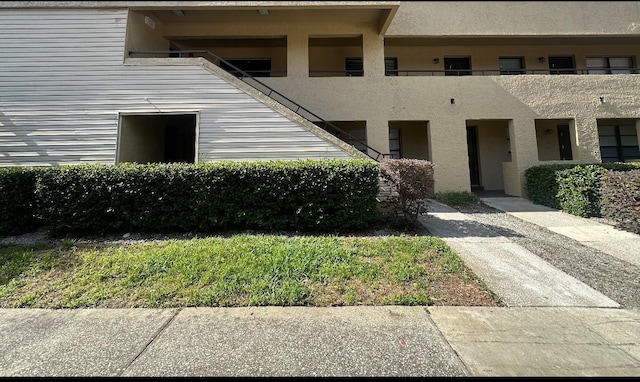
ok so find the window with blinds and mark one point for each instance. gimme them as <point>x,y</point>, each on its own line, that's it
<point>618,143</point>
<point>610,65</point>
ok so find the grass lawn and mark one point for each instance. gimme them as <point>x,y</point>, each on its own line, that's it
<point>240,270</point>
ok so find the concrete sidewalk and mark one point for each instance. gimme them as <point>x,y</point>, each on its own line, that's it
<point>555,325</point>
<point>301,341</point>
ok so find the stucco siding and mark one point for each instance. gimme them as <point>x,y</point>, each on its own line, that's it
<point>63,85</point>
<point>511,18</point>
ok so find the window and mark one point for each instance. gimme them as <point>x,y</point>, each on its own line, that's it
<point>260,67</point>
<point>610,65</point>
<point>394,143</point>
<point>353,67</point>
<point>511,65</point>
<point>391,66</point>
<point>457,66</point>
<point>618,143</point>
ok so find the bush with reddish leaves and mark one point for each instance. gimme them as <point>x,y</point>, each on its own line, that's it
<point>621,199</point>
<point>411,184</point>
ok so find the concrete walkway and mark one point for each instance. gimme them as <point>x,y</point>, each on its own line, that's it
<point>554,325</point>
<point>621,244</point>
<point>515,274</point>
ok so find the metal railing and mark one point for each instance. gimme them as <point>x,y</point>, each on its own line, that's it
<point>263,88</point>
<point>502,72</point>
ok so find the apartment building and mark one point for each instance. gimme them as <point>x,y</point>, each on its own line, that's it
<point>484,90</point>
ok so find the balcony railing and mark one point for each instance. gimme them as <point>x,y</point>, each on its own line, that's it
<point>263,88</point>
<point>502,72</point>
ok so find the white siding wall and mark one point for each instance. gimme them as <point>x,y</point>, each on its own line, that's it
<point>63,83</point>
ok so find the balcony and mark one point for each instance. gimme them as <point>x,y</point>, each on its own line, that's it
<point>493,56</point>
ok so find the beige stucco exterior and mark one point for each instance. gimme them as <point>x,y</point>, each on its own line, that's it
<point>512,112</point>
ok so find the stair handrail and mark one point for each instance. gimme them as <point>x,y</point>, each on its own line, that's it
<point>244,74</point>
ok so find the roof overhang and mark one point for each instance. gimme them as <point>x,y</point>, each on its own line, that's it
<point>379,12</point>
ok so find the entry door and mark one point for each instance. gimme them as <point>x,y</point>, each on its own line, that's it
<point>472,149</point>
<point>561,65</point>
<point>564,142</point>
<point>457,66</point>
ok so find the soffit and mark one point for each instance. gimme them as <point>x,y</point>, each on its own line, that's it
<point>511,40</point>
<point>378,17</point>
<point>380,13</point>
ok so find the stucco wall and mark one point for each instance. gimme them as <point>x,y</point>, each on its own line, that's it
<point>468,18</point>
<point>144,32</point>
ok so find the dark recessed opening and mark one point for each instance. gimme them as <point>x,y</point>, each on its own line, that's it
<point>160,138</point>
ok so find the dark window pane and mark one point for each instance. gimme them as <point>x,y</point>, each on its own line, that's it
<point>630,152</point>
<point>354,67</point>
<point>391,66</point>
<point>609,152</point>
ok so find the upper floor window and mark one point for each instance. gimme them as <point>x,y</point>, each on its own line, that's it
<point>256,67</point>
<point>511,65</point>
<point>391,66</point>
<point>353,66</point>
<point>610,65</point>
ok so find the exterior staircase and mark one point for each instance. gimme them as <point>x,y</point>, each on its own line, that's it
<point>264,89</point>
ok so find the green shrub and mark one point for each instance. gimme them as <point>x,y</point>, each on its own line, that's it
<point>579,190</point>
<point>621,199</point>
<point>412,182</point>
<point>457,199</point>
<point>541,186</point>
<point>304,195</point>
<point>541,183</point>
<point>18,207</point>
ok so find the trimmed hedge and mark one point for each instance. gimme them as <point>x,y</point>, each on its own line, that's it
<point>541,186</point>
<point>18,207</point>
<point>303,195</point>
<point>542,183</point>
<point>579,190</point>
<point>621,199</point>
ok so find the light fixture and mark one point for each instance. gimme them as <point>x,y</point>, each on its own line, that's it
<point>602,99</point>
<point>436,60</point>
<point>453,101</point>
<point>178,12</point>
<point>263,12</point>
<point>541,59</point>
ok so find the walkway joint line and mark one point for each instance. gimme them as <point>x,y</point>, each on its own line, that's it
<point>152,340</point>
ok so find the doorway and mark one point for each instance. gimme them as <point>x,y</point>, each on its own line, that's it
<point>457,66</point>
<point>564,142</point>
<point>157,138</point>
<point>472,151</point>
<point>562,65</point>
